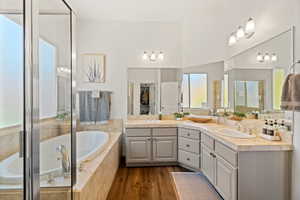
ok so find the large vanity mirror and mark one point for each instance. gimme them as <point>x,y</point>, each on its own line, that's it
<point>256,76</point>
<point>153,90</point>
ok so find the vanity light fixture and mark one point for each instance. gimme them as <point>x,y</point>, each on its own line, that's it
<point>260,57</point>
<point>266,58</point>
<point>242,32</point>
<point>274,57</point>
<point>161,56</point>
<point>250,28</point>
<point>145,56</point>
<point>232,39</point>
<point>153,57</point>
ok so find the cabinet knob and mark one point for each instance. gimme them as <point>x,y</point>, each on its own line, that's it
<point>188,159</point>
<point>187,145</point>
<point>188,134</point>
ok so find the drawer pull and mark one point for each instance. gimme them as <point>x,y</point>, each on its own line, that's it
<point>187,145</point>
<point>212,154</point>
<point>188,159</point>
<point>188,134</point>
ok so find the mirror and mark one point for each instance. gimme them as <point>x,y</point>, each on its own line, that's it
<point>256,76</point>
<point>153,90</point>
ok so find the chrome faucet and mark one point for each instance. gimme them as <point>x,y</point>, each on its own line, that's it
<point>65,160</point>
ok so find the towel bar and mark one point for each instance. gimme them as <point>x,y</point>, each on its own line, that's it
<point>292,67</point>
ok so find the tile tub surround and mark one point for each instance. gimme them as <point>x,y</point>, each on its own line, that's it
<point>9,137</point>
<point>255,144</point>
<point>95,177</point>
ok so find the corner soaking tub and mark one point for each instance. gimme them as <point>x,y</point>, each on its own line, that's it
<point>89,143</point>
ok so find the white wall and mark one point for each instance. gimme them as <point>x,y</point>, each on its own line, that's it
<point>124,44</point>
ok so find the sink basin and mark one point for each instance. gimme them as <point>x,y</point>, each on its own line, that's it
<point>234,133</point>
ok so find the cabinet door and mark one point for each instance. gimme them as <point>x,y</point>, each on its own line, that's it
<point>226,179</point>
<point>208,164</point>
<point>138,149</point>
<point>165,149</point>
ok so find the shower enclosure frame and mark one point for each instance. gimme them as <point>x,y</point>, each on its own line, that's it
<point>30,136</point>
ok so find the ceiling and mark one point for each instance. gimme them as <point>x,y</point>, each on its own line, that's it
<point>129,10</point>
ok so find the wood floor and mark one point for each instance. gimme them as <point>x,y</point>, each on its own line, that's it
<point>148,183</point>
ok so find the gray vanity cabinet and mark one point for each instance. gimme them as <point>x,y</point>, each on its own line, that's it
<point>165,149</point>
<point>218,165</point>
<point>208,164</point>
<point>151,146</point>
<point>138,149</point>
<point>225,179</point>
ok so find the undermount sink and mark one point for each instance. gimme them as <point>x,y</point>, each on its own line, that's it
<point>234,133</point>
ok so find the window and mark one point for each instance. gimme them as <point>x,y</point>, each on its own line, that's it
<point>11,74</point>
<point>225,91</point>
<point>247,94</point>
<point>194,90</point>
<point>278,79</point>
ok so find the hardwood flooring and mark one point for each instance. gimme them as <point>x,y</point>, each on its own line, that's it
<point>147,183</point>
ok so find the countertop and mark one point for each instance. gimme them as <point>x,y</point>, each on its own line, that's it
<point>237,144</point>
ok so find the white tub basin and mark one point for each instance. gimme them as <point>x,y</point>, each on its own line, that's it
<point>88,144</point>
<point>234,133</point>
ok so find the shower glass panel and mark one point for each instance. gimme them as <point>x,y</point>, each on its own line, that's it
<point>11,99</point>
<point>55,99</point>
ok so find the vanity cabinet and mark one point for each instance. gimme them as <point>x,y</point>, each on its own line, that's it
<point>152,146</point>
<point>138,149</point>
<point>164,149</point>
<point>215,166</point>
<point>189,148</point>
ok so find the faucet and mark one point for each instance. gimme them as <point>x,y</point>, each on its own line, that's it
<point>65,160</point>
<point>239,126</point>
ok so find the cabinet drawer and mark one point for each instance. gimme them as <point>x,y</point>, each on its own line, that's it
<point>226,153</point>
<point>164,132</point>
<point>188,133</point>
<point>189,159</point>
<point>208,141</point>
<point>189,145</point>
<point>138,132</point>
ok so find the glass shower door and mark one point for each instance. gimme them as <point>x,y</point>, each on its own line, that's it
<point>12,114</point>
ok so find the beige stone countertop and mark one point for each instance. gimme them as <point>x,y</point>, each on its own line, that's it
<point>237,144</point>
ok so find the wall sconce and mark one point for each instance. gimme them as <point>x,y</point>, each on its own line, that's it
<point>242,32</point>
<point>153,57</point>
<point>266,58</point>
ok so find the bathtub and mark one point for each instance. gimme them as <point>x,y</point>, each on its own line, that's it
<point>89,143</point>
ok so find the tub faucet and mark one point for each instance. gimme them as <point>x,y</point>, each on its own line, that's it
<point>65,160</point>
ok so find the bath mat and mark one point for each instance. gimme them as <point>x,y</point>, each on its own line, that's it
<point>193,186</point>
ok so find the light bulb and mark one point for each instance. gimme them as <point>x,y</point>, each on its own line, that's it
<point>260,57</point>
<point>232,39</point>
<point>274,57</point>
<point>145,56</point>
<point>240,33</point>
<point>267,57</point>
<point>250,26</point>
<point>153,56</point>
<point>161,55</point>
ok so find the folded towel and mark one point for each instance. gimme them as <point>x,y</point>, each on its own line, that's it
<point>290,99</point>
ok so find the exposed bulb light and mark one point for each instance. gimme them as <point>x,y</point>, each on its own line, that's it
<point>161,55</point>
<point>232,39</point>
<point>145,56</point>
<point>153,56</point>
<point>274,57</point>
<point>250,28</point>
<point>260,57</point>
<point>267,57</point>
<point>240,33</point>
